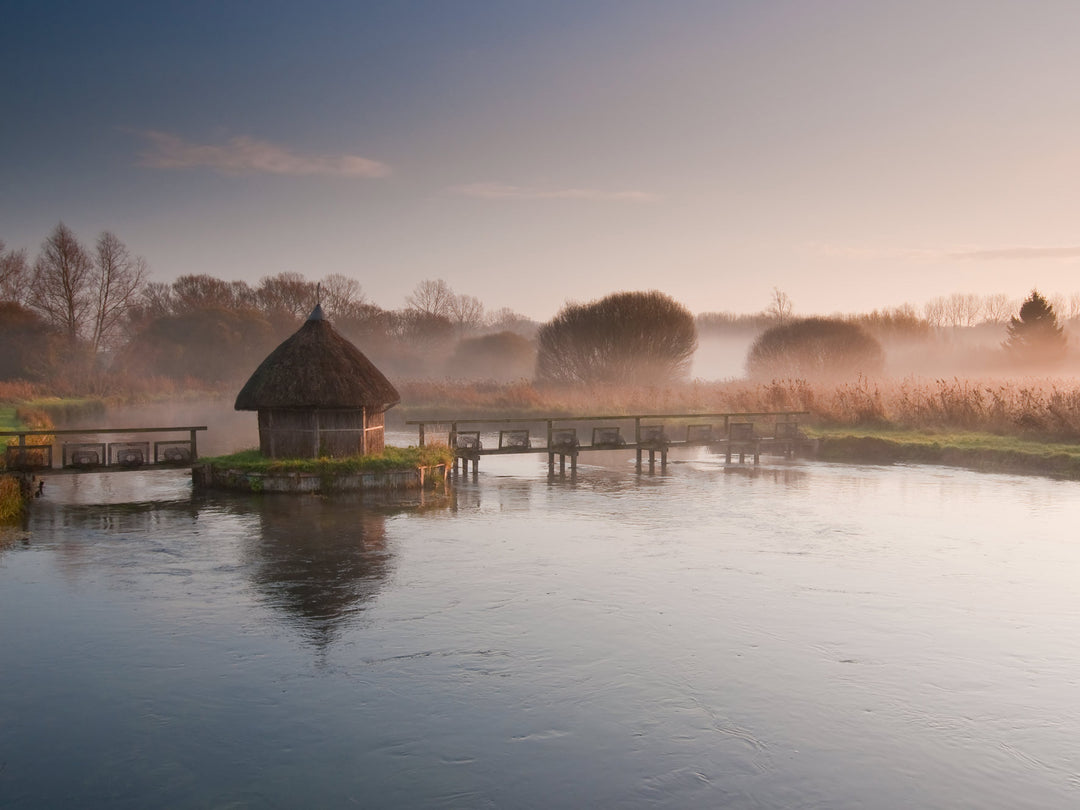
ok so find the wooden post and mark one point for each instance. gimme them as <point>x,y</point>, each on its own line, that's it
<point>194,450</point>
<point>551,464</point>
<point>637,441</point>
<point>421,434</point>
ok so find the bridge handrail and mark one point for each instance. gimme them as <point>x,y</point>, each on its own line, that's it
<point>606,418</point>
<point>87,431</point>
<point>22,446</point>
<point>551,421</point>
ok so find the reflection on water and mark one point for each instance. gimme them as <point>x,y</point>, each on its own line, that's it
<point>319,564</point>
<point>789,635</point>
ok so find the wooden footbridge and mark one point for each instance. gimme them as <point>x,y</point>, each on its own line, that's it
<point>731,434</point>
<point>39,455</point>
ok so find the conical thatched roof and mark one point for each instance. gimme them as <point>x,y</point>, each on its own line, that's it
<point>317,368</point>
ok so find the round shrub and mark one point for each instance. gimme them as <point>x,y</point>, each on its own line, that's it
<point>815,348</point>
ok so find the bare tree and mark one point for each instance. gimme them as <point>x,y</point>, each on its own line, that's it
<point>120,277</point>
<point>342,297</point>
<point>934,311</point>
<point>241,296</point>
<point>505,319</point>
<point>431,297</point>
<point>780,307</point>
<point>997,308</point>
<point>62,280</point>
<point>1074,306</point>
<point>961,309</point>
<point>14,275</point>
<point>192,292</point>
<point>288,293</point>
<point>156,299</point>
<point>467,313</point>
<point>1059,303</point>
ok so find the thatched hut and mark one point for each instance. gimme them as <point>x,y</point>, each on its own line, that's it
<point>318,395</point>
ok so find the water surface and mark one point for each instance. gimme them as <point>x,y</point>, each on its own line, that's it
<point>793,635</point>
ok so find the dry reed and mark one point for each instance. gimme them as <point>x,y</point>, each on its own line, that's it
<point>11,499</point>
<point>1045,408</point>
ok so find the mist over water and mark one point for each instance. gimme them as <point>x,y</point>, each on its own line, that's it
<point>720,358</point>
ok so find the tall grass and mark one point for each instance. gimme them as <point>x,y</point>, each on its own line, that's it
<point>11,499</point>
<point>1037,408</point>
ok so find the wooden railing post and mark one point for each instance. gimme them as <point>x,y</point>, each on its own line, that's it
<point>637,441</point>
<point>194,446</point>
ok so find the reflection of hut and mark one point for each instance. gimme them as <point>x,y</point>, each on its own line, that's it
<point>321,562</point>
<point>318,395</point>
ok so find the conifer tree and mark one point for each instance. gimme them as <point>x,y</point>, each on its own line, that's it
<point>1035,337</point>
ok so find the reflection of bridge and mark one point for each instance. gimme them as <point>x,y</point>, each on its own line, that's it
<point>92,455</point>
<point>732,434</point>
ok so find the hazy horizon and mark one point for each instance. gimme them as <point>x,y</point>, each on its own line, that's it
<point>856,156</point>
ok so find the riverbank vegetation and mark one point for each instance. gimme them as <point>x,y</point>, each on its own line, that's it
<point>1044,408</point>
<point>980,451</point>
<point>12,502</point>
<point>392,458</point>
<point>84,329</point>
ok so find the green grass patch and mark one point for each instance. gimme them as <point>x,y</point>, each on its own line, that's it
<point>392,458</point>
<point>62,410</point>
<point>981,451</point>
<point>8,419</point>
<point>11,500</point>
<point>944,438</point>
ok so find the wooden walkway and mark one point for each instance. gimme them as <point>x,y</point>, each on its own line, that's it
<point>739,435</point>
<point>92,455</point>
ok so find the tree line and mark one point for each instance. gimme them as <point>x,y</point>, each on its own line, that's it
<point>88,316</point>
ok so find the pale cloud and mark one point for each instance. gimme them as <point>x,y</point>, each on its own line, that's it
<point>869,254</point>
<point>1018,253</point>
<point>966,254</point>
<point>245,155</point>
<point>501,191</point>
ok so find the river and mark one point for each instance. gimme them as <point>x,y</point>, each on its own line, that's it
<point>796,635</point>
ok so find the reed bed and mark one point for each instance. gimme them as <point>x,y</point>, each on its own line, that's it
<point>1038,408</point>
<point>11,500</point>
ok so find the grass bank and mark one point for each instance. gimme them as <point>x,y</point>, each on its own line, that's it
<point>8,419</point>
<point>12,502</point>
<point>986,452</point>
<point>393,458</point>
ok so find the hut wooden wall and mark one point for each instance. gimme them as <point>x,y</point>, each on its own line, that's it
<point>375,432</point>
<point>295,433</point>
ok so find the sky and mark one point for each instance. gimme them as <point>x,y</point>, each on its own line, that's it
<point>855,155</point>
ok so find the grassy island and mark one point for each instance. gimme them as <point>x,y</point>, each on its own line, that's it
<point>395,467</point>
<point>392,458</point>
